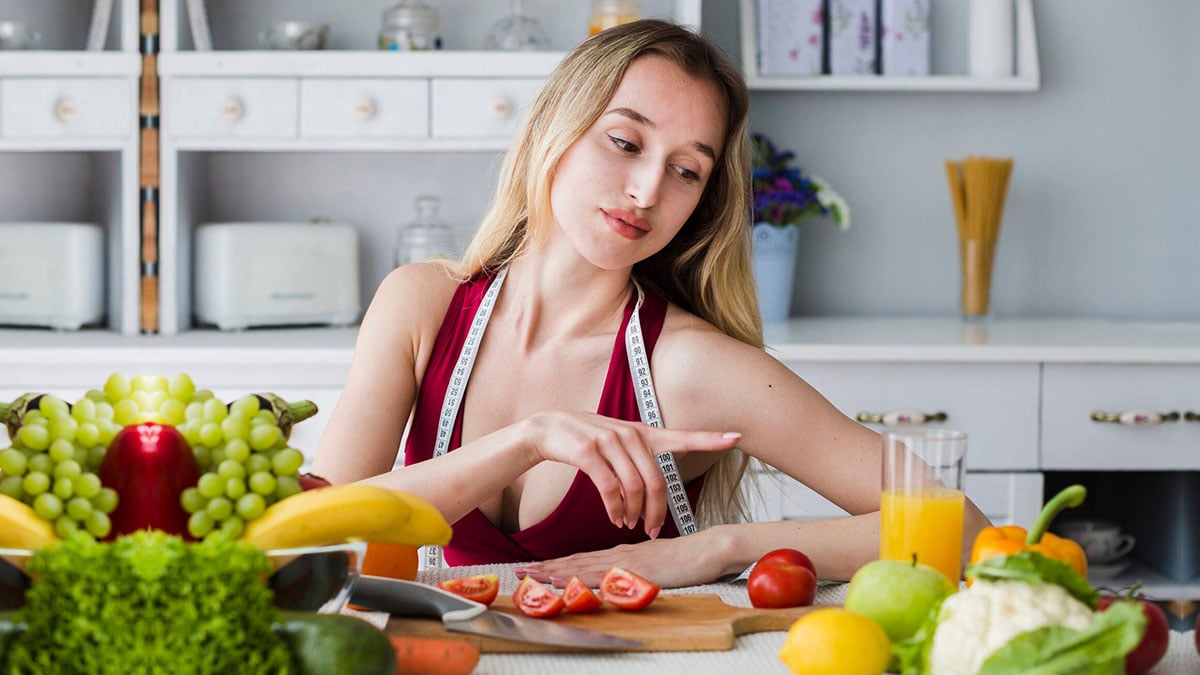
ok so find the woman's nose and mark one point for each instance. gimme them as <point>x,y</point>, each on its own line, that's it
<point>643,184</point>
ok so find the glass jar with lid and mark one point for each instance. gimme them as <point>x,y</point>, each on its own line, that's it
<point>427,237</point>
<point>411,25</point>
<point>609,13</point>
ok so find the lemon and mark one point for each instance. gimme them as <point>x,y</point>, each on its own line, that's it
<point>838,642</point>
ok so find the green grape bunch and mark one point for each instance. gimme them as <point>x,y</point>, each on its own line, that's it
<point>244,458</point>
<point>53,461</point>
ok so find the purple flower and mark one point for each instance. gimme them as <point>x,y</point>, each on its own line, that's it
<point>784,194</point>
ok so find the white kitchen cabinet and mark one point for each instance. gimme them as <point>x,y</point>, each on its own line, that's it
<point>348,116</point>
<point>1121,416</point>
<point>69,136</point>
<point>948,28</point>
<point>996,404</point>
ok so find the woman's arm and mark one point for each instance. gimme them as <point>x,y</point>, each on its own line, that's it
<point>706,380</point>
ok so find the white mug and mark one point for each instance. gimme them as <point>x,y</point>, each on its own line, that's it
<point>1102,540</point>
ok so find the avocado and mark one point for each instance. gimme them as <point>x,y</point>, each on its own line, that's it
<point>324,644</point>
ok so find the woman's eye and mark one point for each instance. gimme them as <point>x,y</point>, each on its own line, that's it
<point>623,144</point>
<point>687,174</point>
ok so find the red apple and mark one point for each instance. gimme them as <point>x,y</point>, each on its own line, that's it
<point>1153,646</point>
<point>309,481</point>
<point>149,465</point>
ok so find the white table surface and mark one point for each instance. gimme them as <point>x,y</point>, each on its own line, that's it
<point>755,653</point>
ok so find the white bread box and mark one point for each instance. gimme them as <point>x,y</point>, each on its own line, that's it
<point>276,274</point>
<point>51,274</point>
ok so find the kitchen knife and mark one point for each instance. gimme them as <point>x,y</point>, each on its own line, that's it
<point>408,598</point>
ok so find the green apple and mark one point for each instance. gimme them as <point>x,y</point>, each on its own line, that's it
<point>896,594</point>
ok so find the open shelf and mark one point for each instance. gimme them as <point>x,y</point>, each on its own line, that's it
<point>1027,77</point>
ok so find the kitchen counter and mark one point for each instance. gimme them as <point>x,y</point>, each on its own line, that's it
<point>754,653</point>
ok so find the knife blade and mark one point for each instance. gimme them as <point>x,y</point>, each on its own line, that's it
<point>412,599</point>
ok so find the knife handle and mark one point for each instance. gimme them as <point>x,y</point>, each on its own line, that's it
<point>409,598</point>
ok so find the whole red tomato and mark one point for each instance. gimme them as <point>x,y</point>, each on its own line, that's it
<point>535,599</point>
<point>627,590</point>
<point>481,587</point>
<point>1153,646</point>
<point>781,579</point>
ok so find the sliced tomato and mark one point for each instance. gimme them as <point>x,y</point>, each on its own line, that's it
<point>480,588</point>
<point>627,590</point>
<point>536,599</point>
<point>579,598</point>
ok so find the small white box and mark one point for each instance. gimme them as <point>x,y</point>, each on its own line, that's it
<point>904,37</point>
<point>791,37</point>
<point>276,274</point>
<point>853,35</point>
<point>51,274</point>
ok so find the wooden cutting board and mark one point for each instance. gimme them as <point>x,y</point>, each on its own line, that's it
<point>673,623</point>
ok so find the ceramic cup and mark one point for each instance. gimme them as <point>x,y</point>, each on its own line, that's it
<point>295,35</point>
<point>1102,540</point>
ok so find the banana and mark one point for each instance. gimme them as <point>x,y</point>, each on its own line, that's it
<point>425,526</point>
<point>21,528</point>
<point>342,513</point>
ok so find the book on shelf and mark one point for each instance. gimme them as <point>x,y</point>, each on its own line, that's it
<point>198,18</point>
<point>98,28</point>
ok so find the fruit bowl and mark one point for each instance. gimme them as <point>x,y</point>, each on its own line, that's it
<point>309,579</point>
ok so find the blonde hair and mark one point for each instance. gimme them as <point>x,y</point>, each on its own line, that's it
<point>706,268</point>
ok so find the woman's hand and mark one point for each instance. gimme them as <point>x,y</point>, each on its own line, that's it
<point>671,563</point>
<point>619,457</point>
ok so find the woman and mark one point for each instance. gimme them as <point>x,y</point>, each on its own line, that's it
<point>615,250</point>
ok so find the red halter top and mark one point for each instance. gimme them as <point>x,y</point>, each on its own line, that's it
<point>579,523</point>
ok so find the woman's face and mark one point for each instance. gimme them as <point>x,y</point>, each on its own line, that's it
<point>625,188</point>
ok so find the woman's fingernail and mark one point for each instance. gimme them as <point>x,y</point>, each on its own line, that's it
<point>732,435</point>
<point>653,532</point>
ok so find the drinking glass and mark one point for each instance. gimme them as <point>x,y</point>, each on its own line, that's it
<point>516,31</point>
<point>921,509</point>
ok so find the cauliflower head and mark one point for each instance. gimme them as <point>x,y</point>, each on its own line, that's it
<point>976,622</point>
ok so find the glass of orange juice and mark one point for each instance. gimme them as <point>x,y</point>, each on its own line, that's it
<point>921,507</point>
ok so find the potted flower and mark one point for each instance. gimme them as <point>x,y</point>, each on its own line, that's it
<point>784,197</point>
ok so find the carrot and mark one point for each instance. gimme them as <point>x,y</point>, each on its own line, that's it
<point>434,656</point>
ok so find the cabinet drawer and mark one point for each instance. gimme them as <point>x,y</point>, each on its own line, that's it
<point>1072,440</point>
<point>364,108</point>
<point>230,108</point>
<point>1005,498</point>
<point>480,108</point>
<point>995,404</point>
<point>67,108</point>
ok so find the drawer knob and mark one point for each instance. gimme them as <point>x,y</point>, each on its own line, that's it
<point>365,109</point>
<point>1135,418</point>
<point>901,418</point>
<point>502,108</point>
<point>65,110</point>
<point>233,110</point>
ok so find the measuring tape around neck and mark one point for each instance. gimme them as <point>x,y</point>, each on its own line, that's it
<point>639,369</point>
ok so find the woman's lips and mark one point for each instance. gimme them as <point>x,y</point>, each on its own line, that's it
<point>626,224</point>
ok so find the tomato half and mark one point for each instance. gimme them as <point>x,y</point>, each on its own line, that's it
<point>627,590</point>
<point>535,599</point>
<point>480,588</point>
<point>579,598</point>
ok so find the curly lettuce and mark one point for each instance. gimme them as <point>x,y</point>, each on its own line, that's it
<point>148,603</point>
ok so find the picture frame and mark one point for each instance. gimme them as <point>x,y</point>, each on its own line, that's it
<point>98,27</point>
<point>198,19</point>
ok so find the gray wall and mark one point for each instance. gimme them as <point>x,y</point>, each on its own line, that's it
<point>1101,215</point>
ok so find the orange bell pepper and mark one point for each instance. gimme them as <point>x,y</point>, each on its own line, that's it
<point>1009,539</point>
